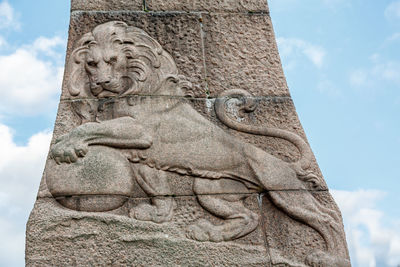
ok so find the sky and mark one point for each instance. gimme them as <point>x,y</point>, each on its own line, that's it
<point>342,63</point>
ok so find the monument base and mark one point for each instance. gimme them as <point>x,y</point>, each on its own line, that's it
<point>64,237</point>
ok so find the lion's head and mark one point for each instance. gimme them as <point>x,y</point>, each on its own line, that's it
<point>115,59</point>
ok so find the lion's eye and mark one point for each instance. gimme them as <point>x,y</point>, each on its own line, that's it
<point>92,63</point>
<point>112,60</point>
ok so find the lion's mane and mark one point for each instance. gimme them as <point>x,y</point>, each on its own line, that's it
<point>149,66</point>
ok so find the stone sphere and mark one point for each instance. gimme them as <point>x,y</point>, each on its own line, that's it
<point>100,181</point>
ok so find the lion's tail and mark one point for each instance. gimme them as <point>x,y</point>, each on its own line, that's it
<point>249,105</point>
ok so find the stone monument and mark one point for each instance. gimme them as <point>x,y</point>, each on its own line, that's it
<point>177,144</point>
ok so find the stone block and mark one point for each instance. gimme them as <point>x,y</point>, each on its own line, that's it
<point>208,5</point>
<point>241,53</point>
<point>106,5</point>
<point>179,34</point>
<point>237,55</point>
<point>64,237</point>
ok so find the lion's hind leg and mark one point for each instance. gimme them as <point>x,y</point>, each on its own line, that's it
<point>238,220</point>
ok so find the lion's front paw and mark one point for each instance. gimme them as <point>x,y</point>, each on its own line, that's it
<point>203,231</point>
<point>324,259</point>
<point>68,150</point>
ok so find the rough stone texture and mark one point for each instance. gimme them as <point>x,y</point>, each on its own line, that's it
<point>63,237</point>
<point>208,5</point>
<point>107,5</point>
<point>149,176</point>
<point>241,53</point>
<point>285,236</point>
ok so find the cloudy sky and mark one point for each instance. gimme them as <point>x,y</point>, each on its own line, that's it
<point>342,62</point>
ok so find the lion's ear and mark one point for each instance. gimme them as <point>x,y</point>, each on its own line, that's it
<point>176,85</point>
<point>78,80</point>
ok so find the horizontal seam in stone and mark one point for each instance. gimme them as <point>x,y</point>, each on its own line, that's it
<point>284,97</point>
<point>174,12</point>
<point>195,195</point>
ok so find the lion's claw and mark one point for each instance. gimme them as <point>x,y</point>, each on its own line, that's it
<point>57,160</point>
<point>67,149</point>
<point>80,152</point>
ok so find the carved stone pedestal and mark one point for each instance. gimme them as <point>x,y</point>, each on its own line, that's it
<point>177,144</point>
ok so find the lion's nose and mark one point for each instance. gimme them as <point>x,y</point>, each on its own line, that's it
<point>103,83</point>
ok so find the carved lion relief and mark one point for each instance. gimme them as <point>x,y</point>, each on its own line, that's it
<point>124,137</point>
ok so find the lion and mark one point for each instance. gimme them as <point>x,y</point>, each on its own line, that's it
<point>162,133</point>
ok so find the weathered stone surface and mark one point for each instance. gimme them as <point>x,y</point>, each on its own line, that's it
<point>241,53</point>
<point>57,236</point>
<point>208,5</point>
<point>178,34</point>
<point>273,112</point>
<point>137,162</point>
<point>107,5</point>
<point>289,240</point>
<point>104,175</point>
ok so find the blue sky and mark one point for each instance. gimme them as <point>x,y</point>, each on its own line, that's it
<point>342,65</point>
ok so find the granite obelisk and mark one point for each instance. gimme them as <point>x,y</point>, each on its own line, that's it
<point>177,144</point>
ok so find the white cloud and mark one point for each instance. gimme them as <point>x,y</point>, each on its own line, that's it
<point>12,246</point>
<point>31,75</point>
<point>17,182</point>
<point>21,168</point>
<point>380,72</point>
<point>27,81</point>
<point>359,78</point>
<point>47,45</point>
<point>394,37</point>
<point>3,42</point>
<point>292,48</point>
<point>392,11</point>
<point>315,54</point>
<point>389,71</point>
<point>372,240</point>
<point>7,16</point>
